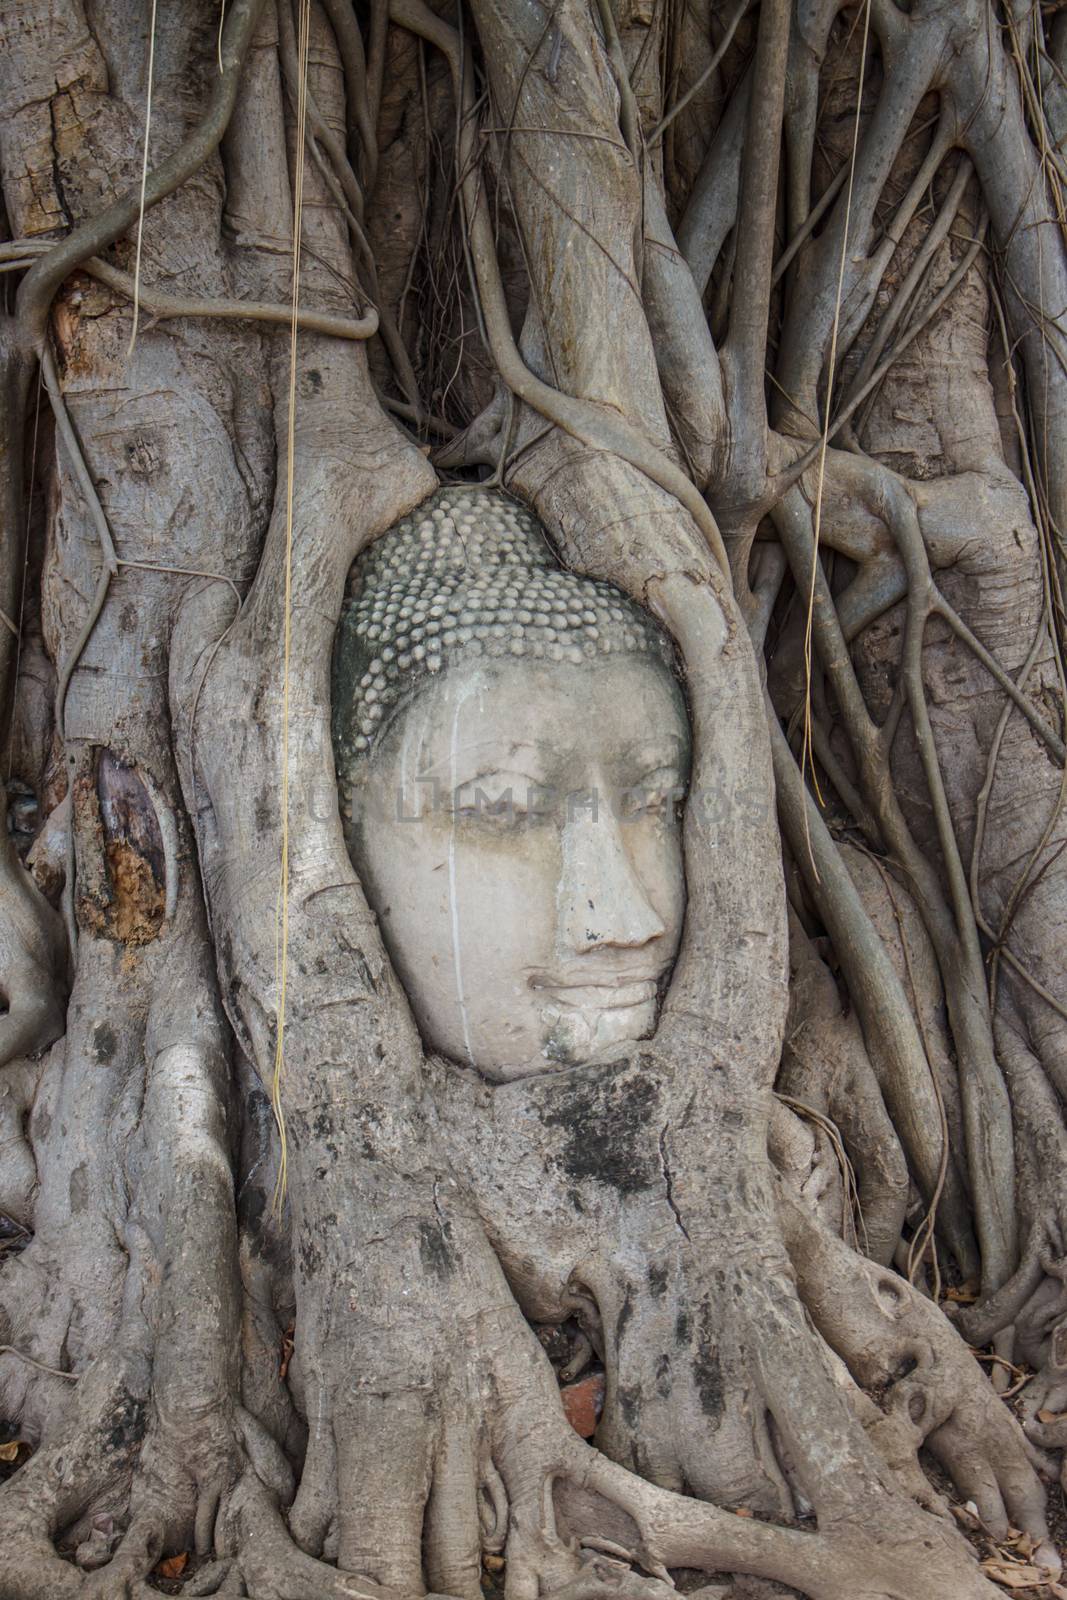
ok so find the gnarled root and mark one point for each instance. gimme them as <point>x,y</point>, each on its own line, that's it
<point>557,1498</point>
<point>888,1334</point>
<point>1029,1312</point>
<point>825,1067</point>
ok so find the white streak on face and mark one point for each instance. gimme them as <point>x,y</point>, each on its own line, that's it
<point>469,690</point>
<point>411,794</point>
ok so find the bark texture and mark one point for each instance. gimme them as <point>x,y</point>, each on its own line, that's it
<point>761,310</point>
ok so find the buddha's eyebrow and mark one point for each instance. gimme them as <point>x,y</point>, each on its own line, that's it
<point>660,750</point>
<point>502,749</point>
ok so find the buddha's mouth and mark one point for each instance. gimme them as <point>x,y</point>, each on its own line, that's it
<point>610,994</point>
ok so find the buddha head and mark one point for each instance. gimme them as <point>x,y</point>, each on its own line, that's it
<point>512,750</point>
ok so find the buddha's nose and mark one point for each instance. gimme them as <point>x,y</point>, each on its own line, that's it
<point>602,900</point>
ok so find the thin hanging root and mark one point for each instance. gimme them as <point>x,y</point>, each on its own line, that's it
<point>281,949</point>
<point>940,607</point>
<point>341,180</point>
<point>852,1217</point>
<point>1046,628</point>
<point>919,268</point>
<point>695,87</point>
<point>629,115</point>
<point>144,173</point>
<point>350,47</point>
<point>806,756</point>
<point>108,568</point>
<point>923,1239</point>
<point>791,475</point>
<point>889,1027</point>
<point>52,1372</point>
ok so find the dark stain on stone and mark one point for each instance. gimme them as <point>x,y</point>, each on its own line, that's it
<point>105,1042</point>
<point>127,1424</point>
<point>630,1405</point>
<point>657,1281</point>
<point>143,455</point>
<point>121,879</point>
<point>250,1208</point>
<point>707,1371</point>
<point>606,1122</point>
<point>323,1128</point>
<point>626,1311</point>
<point>435,1249</point>
<point>310,1255</point>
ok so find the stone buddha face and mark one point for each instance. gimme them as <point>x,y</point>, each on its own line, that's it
<point>514,814</point>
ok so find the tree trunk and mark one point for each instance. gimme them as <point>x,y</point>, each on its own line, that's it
<point>762,313</point>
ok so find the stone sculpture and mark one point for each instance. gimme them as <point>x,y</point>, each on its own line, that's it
<point>512,750</point>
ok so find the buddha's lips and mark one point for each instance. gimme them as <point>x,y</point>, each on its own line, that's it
<point>610,994</point>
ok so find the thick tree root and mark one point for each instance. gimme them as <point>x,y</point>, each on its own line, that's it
<point>560,1492</point>
<point>436,1430</point>
<point>888,1334</point>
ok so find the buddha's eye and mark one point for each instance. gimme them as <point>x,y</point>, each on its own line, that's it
<point>660,793</point>
<point>498,799</point>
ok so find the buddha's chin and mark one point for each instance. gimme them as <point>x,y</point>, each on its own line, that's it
<point>573,1037</point>
<point>594,1033</point>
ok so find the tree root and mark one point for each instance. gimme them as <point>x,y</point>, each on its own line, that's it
<point>825,1066</point>
<point>436,1428</point>
<point>559,1492</point>
<point>887,1333</point>
<point>1030,1310</point>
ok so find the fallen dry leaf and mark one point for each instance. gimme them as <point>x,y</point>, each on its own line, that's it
<point>1051,1416</point>
<point>9,1452</point>
<point>173,1566</point>
<point>1014,1574</point>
